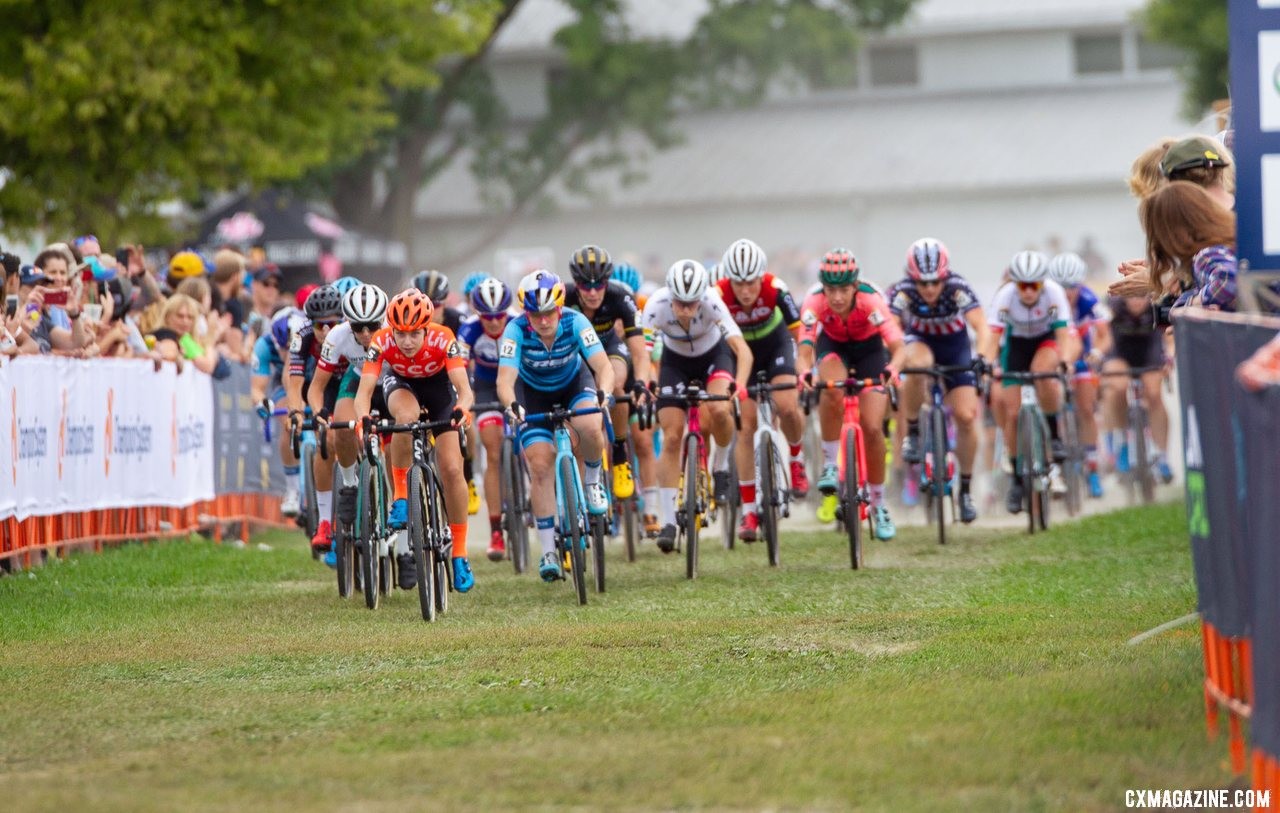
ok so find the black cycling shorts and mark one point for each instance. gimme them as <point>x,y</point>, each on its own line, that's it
<point>865,359</point>
<point>1147,352</point>
<point>434,393</point>
<point>616,348</point>
<point>1018,352</point>
<point>677,371</point>
<point>774,354</point>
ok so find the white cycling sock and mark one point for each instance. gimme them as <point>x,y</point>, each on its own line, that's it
<point>546,534</point>
<point>668,502</point>
<point>720,459</point>
<point>651,498</point>
<point>350,475</point>
<point>591,472</point>
<point>402,543</point>
<point>291,482</point>
<point>324,505</point>
<point>830,448</point>
<point>876,493</point>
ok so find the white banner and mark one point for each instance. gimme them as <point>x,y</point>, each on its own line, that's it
<point>107,433</point>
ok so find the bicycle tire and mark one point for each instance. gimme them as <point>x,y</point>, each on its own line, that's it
<point>373,515</point>
<point>419,517</point>
<point>938,430</point>
<point>597,551</point>
<point>441,552</point>
<point>690,501</point>
<point>342,547</point>
<point>630,527</point>
<point>311,511</point>
<point>1139,464</point>
<point>572,538</point>
<point>766,507</point>
<point>852,503</point>
<point>1073,466</point>
<point>1045,500</point>
<point>731,508</point>
<point>1025,471</point>
<point>513,518</point>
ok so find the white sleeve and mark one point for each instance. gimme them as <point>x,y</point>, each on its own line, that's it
<point>1000,306</point>
<point>721,316</point>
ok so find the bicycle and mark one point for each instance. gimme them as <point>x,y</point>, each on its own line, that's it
<point>697,506</point>
<point>937,473</point>
<point>514,486</point>
<point>854,496</point>
<point>368,554</point>
<point>344,534</point>
<point>1034,464</point>
<point>430,539</point>
<point>627,511</point>
<point>573,524</point>
<point>1072,466</point>
<point>773,482</point>
<point>305,438</point>
<point>1139,479</point>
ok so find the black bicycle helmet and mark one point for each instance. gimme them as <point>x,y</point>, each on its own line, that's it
<point>432,283</point>
<point>590,265</point>
<point>324,302</point>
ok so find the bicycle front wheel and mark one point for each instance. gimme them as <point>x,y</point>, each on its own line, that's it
<point>733,505</point>
<point>575,532</point>
<point>938,441</point>
<point>766,502</point>
<point>690,502</point>
<point>440,551</point>
<point>310,511</point>
<point>850,500</point>
<point>597,550</point>
<point>372,516</point>
<point>419,517</point>
<point>344,550</point>
<point>630,527</point>
<point>513,499</point>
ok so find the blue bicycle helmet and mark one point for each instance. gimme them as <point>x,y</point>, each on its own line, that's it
<point>345,284</point>
<point>628,275</point>
<point>470,281</point>
<point>490,297</point>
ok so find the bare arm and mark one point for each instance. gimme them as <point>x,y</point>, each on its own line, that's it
<point>743,353</point>
<point>461,383</point>
<point>506,385</point>
<point>981,332</point>
<point>601,368</point>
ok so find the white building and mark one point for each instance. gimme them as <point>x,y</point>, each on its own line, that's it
<point>994,125</point>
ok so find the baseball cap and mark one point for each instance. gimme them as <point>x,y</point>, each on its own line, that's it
<point>30,275</point>
<point>186,264</point>
<point>1196,151</point>
<point>266,272</point>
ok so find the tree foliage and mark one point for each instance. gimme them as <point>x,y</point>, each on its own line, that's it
<point>1198,27</point>
<point>112,108</point>
<point>609,81</point>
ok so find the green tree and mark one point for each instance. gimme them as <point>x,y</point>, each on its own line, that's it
<point>608,82</point>
<point>112,108</point>
<point>1198,27</point>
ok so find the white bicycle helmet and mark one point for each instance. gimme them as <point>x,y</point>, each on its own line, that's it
<point>687,280</point>
<point>744,261</point>
<point>365,303</point>
<point>1028,266</point>
<point>1068,270</point>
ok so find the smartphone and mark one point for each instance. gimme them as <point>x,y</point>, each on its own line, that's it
<point>122,257</point>
<point>56,297</point>
<point>10,306</point>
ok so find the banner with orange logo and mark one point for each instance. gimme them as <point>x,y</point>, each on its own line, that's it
<point>109,433</point>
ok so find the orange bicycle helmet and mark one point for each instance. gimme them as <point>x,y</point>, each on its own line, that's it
<point>409,310</point>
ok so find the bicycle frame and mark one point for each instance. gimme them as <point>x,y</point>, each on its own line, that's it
<point>766,432</point>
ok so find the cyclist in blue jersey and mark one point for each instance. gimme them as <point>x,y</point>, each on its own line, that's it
<point>936,309</point>
<point>551,356</point>
<point>267,385</point>
<point>1094,328</point>
<point>478,340</point>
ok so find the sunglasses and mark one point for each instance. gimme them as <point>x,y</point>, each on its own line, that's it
<point>593,286</point>
<point>325,325</point>
<point>1030,286</point>
<point>492,317</point>
<point>936,283</point>
<point>365,327</point>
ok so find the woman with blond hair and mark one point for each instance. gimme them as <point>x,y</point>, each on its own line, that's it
<point>175,340</point>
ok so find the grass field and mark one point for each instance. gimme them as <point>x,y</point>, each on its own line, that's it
<point>989,675</point>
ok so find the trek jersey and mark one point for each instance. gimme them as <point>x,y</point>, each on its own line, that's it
<point>304,352</point>
<point>340,350</point>
<point>1050,312</point>
<point>548,369</point>
<point>944,320</point>
<point>617,304</point>
<point>480,347</point>
<point>710,325</point>
<point>868,317</point>
<point>439,352</point>
<point>774,308</point>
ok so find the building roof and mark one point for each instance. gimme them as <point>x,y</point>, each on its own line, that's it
<point>533,24</point>
<point>895,145</point>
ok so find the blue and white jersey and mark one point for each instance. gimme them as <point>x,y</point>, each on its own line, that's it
<point>942,321</point>
<point>266,359</point>
<point>549,369</point>
<point>481,348</point>
<point>1089,312</point>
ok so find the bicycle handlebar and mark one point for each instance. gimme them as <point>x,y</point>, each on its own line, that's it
<point>851,387</point>
<point>1132,372</point>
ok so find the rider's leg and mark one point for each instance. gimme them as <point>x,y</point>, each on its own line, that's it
<point>915,389</point>
<point>403,405</point>
<point>491,439</point>
<point>1048,391</point>
<point>541,458</point>
<point>963,402</point>
<point>871,409</point>
<point>591,441</point>
<point>744,455</point>
<point>831,407</point>
<point>720,417</point>
<point>449,461</point>
<point>1086,409</point>
<point>1157,416</point>
<point>1115,403</point>
<point>672,420</point>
